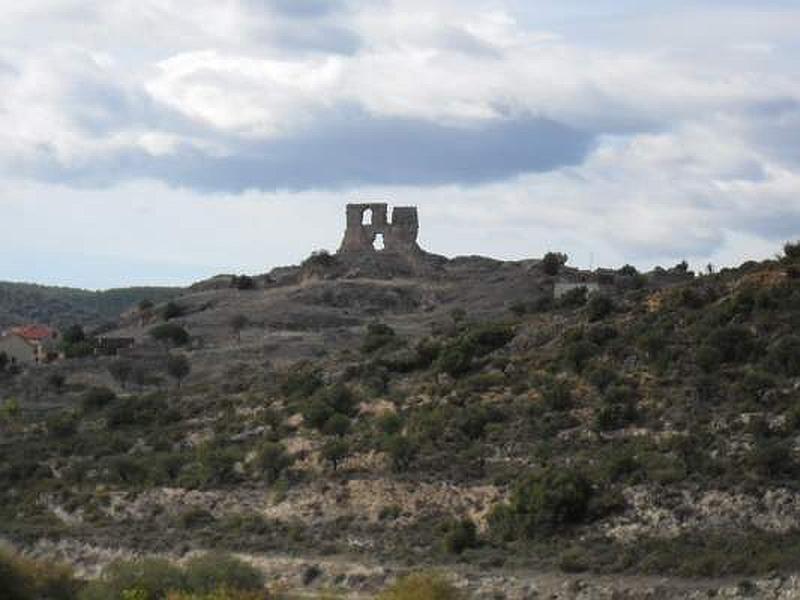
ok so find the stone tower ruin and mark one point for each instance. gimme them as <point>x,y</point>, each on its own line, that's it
<point>369,230</point>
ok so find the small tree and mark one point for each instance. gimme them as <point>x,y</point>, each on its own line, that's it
<point>57,381</point>
<point>171,310</point>
<point>599,307</point>
<point>338,425</point>
<point>335,451</point>
<point>73,334</point>
<point>461,535</point>
<point>243,282</point>
<point>792,250</point>
<point>178,367</point>
<point>552,262</point>
<point>121,370</point>
<point>10,410</point>
<point>402,452</point>
<point>273,460</point>
<point>237,323</point>
<point>170,334</point>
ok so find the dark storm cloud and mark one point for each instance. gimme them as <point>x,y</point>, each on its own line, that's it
<point>364,151</point>
<point>351,151</point>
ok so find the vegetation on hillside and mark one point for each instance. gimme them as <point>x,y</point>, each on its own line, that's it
<point>582,415</point>
<point>61,306</point>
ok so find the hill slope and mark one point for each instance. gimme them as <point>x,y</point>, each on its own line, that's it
<point>58,306</point>
<point>368,421</point>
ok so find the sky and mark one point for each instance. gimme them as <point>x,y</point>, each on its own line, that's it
<point>164,141</point>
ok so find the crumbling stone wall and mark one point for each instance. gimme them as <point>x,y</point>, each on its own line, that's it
<point>399,235</point>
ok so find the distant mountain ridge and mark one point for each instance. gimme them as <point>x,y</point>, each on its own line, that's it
<point>59,306</point>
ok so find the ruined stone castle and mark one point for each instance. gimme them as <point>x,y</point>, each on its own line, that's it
<point>369,229</point>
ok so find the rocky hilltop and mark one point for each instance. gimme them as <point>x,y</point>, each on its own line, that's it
<point>531,429</point>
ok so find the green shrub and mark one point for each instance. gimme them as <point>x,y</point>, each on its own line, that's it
<point>171,310</point>
<point>335,451</point>
<point>543,503</point>
<point>599,307</point>
<point>390,423</point>
<point>708,358</point>
<point>243,282</point>
<point>96,398</point>
<point>301,381</point>
<point>217,464</point>
<point>735,343</point>
<point>338,425</point>
<point>26,579</point>
<point>552,262</point>
<point>153,577</point>
<point>574,298</point>
<point>578,354</point>
<point>792,250</point>
<point>401,450</point>
<point>772,459</point>
<point>557,395</point>
<point>602,377</point>
<point>461,535</point>
<point>784,356</point>
<point>615,416</point>
<point>170,333</point>
<point>320,259</point>
<point>195,517</point>
<point>601,334</point>
<point>340,398</point>
<point>457,357</point>
<point>427,351</point>
<point>316,413</point>
<point>421,586</point>
<point>273,460</point>
<point>455,360</point>
<point>63,424</point>
<point>133,410</point>
<point>208,572</point>
<point>378,335</point>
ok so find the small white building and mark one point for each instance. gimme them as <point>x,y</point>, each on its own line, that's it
<point>563,287</point>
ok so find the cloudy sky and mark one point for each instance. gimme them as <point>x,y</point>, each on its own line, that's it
<point>162,141</point>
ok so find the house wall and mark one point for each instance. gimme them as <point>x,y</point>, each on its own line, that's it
<point>559,289</point>
<point>18,350</point>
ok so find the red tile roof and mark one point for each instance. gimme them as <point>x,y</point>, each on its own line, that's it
<point>34,333</point>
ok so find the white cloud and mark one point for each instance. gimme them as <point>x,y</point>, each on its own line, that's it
<point>695,117</point>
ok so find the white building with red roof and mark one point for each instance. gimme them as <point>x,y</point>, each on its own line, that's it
<point>29,344</point>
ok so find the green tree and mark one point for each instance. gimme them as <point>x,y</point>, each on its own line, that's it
<point>172,310</point>
<point>121,371</point>
<point>544,502</point>
<point>552,262</point>
<point>599,307</point>
<point>273,460</point>
<point>243,282</point>
<point>461,534</point>
<point>338,425</point>
<point>335,451</point>
<point>170,334</point>
<point>178,367</point>
<point>402,452</point>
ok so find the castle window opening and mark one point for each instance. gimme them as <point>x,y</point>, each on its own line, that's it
<point>366,218</point>
<point>378,243</point>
